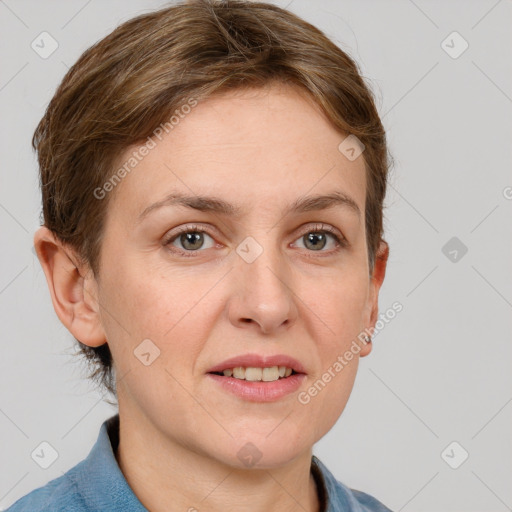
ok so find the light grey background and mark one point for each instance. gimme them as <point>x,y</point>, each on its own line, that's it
<point>439,372</point>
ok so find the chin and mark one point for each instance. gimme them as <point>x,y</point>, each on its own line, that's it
<point>262,451</point>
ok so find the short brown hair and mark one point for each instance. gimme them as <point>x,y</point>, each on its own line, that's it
<point>126,85</point>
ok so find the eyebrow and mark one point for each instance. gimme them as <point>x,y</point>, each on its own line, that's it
<point>216,205</point>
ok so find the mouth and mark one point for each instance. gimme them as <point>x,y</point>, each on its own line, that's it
<point>257,378</point>
<point>257,374</point>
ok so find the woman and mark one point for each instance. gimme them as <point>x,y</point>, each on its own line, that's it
<point>213,177</point>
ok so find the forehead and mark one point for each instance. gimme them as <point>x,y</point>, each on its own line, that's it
<point>259,147</point>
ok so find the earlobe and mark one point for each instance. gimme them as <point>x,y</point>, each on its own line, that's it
<point>366,347</point>
<point>75,304</point>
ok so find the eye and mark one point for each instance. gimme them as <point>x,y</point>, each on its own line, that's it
<point>189,239</point>
<point>317,238</point>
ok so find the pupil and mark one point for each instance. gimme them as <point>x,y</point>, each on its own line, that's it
<point>313,239</point>
<point>192,240</point>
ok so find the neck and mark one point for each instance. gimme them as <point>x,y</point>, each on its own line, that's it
<point>168,476</point>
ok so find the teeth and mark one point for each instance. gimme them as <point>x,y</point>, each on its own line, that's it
<point>239,372</point>
<point>270,374</point>
<point>253,373</point>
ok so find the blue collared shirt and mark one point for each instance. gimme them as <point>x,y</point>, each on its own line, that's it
<point>97,485</point>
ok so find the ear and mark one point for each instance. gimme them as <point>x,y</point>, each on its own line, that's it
<point>379,271</point>
<point>74,294</point>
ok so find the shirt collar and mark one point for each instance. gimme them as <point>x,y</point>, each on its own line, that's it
<point>99,479</point>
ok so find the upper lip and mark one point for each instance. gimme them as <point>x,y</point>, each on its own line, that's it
<point>258,361</point>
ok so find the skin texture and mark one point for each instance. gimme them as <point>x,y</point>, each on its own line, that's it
<point>180,432</point>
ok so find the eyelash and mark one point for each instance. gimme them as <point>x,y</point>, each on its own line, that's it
<point>319,228</point>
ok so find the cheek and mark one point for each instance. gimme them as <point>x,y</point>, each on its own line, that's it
<point>152,313</point>
<point>148,300</point>
<point>340,304</point>
<point>340,307</point>
<point>329,391</point>
<point>170,310</point>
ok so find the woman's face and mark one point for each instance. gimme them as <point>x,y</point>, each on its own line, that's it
<point>258,281</point>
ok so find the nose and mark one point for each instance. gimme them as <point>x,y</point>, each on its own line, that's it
<point>262,296</point>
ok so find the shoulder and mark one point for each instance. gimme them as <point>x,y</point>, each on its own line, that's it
<point>58,495</point>
<point>341,498</point>
<point>94,484</point>
<point>368,503</point>
<point>344,498</point>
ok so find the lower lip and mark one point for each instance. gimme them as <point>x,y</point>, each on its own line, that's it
<point>260,391</point>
